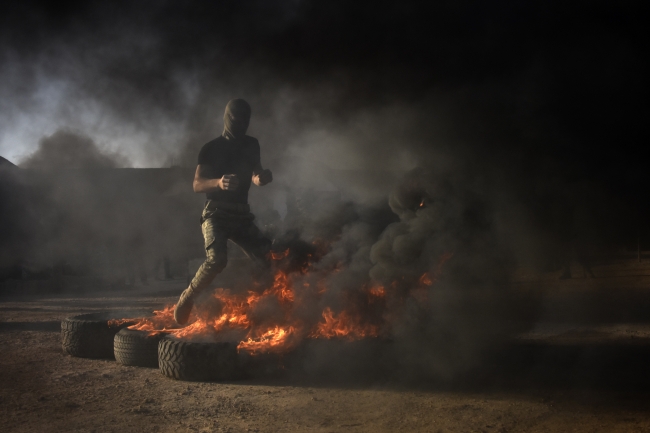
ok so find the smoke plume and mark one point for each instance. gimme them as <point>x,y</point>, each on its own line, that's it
<point>69,150</point>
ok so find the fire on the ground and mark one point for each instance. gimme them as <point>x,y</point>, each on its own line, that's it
<point>366,314</point>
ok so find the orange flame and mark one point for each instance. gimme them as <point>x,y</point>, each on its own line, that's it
<point>118,322</point>
<point>281,288</point>
<point>233,315</point>
<point>272,339</point>
<point>378,291</point>
<point>162,320</point>
<point>279,256</point>
<point>344,326</point>
<point>285,331</point>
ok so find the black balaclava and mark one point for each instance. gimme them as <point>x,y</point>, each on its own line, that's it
<point>236,118</point>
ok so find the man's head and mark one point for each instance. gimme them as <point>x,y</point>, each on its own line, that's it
<point>236,118</point>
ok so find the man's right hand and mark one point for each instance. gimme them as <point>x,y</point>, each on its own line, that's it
<point>229,182</point>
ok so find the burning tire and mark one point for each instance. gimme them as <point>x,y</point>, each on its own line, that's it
<point>91,335</point>
<point>185,360</point>
<point>137,348</point>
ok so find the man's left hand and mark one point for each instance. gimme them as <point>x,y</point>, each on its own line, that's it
<point>264,177</point>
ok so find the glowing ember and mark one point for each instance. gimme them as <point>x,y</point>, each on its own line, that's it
<point>118,322</point>
<point>426,279</point>
<point>377,291</point>
<point>279,256</point>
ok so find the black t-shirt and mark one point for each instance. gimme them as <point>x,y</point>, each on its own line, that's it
<point>221,156</point>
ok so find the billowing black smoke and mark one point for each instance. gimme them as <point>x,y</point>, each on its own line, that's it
<point>444,267</point>
<point>449,232</point>
<point>69,150</point>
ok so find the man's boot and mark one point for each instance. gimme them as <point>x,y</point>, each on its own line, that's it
<point>184,306</point>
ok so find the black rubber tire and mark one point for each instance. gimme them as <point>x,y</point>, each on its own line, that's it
<point>90,335</point>
<point>137,348</point>
<point>204,362</point>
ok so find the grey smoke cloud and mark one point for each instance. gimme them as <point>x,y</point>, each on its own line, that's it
<point>69,150</point>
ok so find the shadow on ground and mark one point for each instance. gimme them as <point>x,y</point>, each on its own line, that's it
<point>617,370</point>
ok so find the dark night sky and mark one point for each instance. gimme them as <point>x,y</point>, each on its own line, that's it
<point>538,81</point>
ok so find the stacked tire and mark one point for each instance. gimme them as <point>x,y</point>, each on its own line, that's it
<point>106,335</point>
<point>137,348</point>
<point>184,360</point>
<point>91,335</point>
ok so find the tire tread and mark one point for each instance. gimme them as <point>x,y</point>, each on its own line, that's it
<point>190,361</point>
<point>136,348</point>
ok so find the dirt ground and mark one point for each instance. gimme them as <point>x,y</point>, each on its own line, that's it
<point>583,368</point>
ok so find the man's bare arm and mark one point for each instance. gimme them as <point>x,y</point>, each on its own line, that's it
<point>261,177</point>
<point>227,182</point>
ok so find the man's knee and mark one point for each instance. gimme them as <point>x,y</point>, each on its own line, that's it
<point>215,262</point>
<point>211,267</point>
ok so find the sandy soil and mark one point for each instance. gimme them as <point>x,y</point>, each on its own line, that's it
<point>585,374</point>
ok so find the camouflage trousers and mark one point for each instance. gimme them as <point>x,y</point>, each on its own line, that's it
<point>218,227</point>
